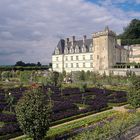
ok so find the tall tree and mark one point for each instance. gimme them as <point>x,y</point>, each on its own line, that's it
<point>132,31</point>
<point>33,111</point>
<point>134,92</point>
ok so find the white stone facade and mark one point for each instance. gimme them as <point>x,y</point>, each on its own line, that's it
<point>101,52</point>
<point>134,53</point>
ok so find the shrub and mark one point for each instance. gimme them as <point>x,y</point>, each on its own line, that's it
<point>33,113</point>
<point>134,93</point>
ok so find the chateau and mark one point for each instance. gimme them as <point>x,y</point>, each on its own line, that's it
<point>99,53</point>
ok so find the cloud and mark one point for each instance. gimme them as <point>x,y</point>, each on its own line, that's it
<point>30,30</point>
<point>138,1</point>
<point>6,35</point>
<point>110,2</point>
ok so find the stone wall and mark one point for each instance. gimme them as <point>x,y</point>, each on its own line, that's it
<point>120,71</point>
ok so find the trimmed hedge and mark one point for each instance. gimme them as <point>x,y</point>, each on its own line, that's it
<point>63,129</point>
<point>9,136</point>
<point>78,116</point>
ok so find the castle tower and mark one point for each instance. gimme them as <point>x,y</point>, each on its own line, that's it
<point>104,49</point>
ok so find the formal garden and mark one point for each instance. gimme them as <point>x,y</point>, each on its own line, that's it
<point>66,106</point>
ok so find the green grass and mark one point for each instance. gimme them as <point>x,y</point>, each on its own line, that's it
<point>1,124</point>
<point>117,88</point>
<point>57,131</point>
<point>7,112</point>
<point>66,128</point>
<point>116,104</point>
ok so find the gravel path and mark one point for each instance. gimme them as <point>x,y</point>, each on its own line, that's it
<point>137,138</point>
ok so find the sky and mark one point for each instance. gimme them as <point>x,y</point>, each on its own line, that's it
<point>31,29</point>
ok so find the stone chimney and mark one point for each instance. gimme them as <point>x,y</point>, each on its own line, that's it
<point>66,41</point>
<point>106,28</point>
<point>73,40</point>
<point>84,39</point>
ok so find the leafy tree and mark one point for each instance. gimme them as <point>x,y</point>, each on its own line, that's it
<point>64,74</point>
<point>25,76</point>
<point>131,34</point>
<point>50,65</point>
<point>33,112</point>
<point>94,77</point>
<point>60,82</point>
<point>82,90</point>
<point>54,78</point>
<point>9,100</point>
<point>104,75</point>
<point>82,76</point>
<point>87,75</point>
<point>39,64</point>
<point>83,87</point>
<point>20,63</point>
<point>0,75</point>
<point>132,31</point>
<point>50,92</point>
<point>134,93</point>
<point>6,74</point>
<point>110,77</point>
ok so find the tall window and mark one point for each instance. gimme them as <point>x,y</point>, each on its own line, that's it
<point>91,57</point>
<point>66,58</point>
<point>83,65</point>
<point>91,65</point>
<point>71,65</point>
<point>83,57</point>
<point>66,65</point>
<point>56,58</point>
<point>71,57</point>
<point>77,65</point>
<point>77,58</point>
<point>57,66</point>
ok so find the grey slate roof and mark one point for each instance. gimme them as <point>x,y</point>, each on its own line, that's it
<point>120,47</point>
<point>61,44</point>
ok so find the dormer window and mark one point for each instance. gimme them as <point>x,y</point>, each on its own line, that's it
<point>66,50</point>
<point>90,48</point>
<point>77,49</point>
<point>71,50</point>
<point>83,49</point>
<point>56,51</point>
